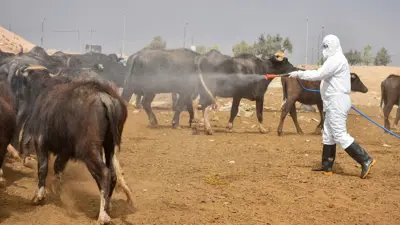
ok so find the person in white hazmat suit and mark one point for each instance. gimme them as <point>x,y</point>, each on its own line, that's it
<point>335,89</point>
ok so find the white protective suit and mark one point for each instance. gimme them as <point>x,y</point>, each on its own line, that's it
<point>335,90</point>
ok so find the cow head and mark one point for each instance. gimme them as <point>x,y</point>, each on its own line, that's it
<point>356,84</point>
<point>281,64</point>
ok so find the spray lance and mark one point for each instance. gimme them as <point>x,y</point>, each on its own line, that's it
<point>272,76</point>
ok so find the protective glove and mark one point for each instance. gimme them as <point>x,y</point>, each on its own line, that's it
<point>295,74</point>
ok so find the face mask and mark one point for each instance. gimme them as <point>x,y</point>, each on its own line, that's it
<point>325,50</point>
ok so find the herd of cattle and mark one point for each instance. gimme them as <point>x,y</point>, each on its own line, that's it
<point>70,105</point>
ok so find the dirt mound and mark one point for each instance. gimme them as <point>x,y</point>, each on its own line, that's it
<point>11,42</point>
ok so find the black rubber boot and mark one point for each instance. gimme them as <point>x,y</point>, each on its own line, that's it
<point>328,158</point>
<point>362,157</point>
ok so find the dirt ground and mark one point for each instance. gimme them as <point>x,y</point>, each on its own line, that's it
<point>242,177</point>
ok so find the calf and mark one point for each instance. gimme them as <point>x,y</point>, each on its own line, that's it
<point>390,96</point>
<point>75,121</point>
<point>7,122</point>
<point>293,92</point>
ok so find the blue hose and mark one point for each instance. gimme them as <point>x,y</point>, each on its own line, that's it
<point>355,109</point>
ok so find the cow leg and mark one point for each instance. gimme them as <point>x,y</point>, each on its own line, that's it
<point>259,110</point>
<point>18,128</point>
<point>59,165</point>
<point>183,98</point>
<point>289,104</point>
<point>396,120</point>
<point>386,112</point>
<point>318,129</point>
<point>207,125</point>
<point>174,100</point>
<point>138,101</point>
<point>189,106</point>
<point>195,105</point>
<point>3,151</point>
<point>99,171</point>
<point>147,99</point>
<point>293,114</point>
<point>234,112</point>
<point>109,153</point>
<point>43,162</point>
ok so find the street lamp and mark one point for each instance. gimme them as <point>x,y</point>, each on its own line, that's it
<point>123,40</point>
<point>184,34</point>
<point>306,41</point>
<point>41,40</point>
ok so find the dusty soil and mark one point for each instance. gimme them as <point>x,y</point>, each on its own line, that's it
<point>242,177</point>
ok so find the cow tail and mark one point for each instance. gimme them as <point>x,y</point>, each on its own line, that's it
<point>200,74</point>
<point>284,90</point>
<point>115,111</point>
<point>382,95</point>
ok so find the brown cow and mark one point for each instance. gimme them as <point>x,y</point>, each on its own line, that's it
<point>75,121</point>
<point>293,92</point>
<point>390,96</point>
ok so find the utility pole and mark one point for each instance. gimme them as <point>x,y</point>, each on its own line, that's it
<point>184,35</point>
<point>91,40</point>
<point>318,48</point>
<point>41,39</point>
<point>123,40</point>
<point>306,41</point>
<point>312,55</point>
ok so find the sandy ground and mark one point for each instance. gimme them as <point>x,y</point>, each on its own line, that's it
<point>242,177</point>
<point>11,42</point>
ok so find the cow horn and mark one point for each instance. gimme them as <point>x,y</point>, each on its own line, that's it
<point>68,62</point>
<point>54,75</point>
<point>36,67</point>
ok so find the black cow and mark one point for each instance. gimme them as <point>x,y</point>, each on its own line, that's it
<point>154,71</point>
<point>25,100</point>
<point>75,121</point>
<point>239,77</point>
<point>293,92</point>
<point>7,121</point>
<point>390,96</point>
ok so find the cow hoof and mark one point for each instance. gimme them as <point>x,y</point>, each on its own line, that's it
<point>229,130</point>
<point>209,131</point>
<point>263,131</point>
<point>2,182</point>
<point>317,131</point>
<point>38,200</point>
<point>30,162</point>
<point>104,218</point>
<point>153,126</point>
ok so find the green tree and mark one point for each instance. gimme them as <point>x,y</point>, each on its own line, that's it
<point>367,57</point>
<point>382,58</point>
<point>269,45</point>
<point>242,47</point>
<point>157,43</point>
<point>353,57</point>
<point>201,49</point>
<point>213,47</point>
<point>320,61</point>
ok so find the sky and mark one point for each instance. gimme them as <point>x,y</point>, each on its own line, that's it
<point>222,22</point>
